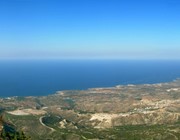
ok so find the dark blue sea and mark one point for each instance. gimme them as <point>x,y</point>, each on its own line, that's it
<point>43,77</point>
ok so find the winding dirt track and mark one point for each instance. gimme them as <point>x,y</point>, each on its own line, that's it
<point>40,120</point>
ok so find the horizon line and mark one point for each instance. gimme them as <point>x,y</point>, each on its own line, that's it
<point>83,58</point>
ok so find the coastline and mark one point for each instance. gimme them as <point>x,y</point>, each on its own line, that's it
<point>96,88</point>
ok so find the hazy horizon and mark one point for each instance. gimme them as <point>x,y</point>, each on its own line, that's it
<point>96,29</point>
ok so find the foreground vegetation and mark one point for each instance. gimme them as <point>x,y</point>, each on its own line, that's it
<point>8,132</point>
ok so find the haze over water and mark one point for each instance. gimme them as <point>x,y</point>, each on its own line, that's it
<point>43,77</point>
<point>35,33</point>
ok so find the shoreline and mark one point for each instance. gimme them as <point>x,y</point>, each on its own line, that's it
<point>96,88</point>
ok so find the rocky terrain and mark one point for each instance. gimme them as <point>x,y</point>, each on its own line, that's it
<point>121,112</point>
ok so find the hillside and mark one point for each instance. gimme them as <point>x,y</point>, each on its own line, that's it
<point>148,111</point>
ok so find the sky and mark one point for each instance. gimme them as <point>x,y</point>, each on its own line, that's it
<point>125,29</point>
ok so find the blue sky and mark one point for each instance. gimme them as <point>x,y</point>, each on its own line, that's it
<point>125,29</point>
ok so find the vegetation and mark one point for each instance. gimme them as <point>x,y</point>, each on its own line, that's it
<point>5,135</point>
<point>8,132</point>
<point>127,132</point>
<point>143,112</point>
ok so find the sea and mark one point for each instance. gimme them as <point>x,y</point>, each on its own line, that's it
<point>45,77</point>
